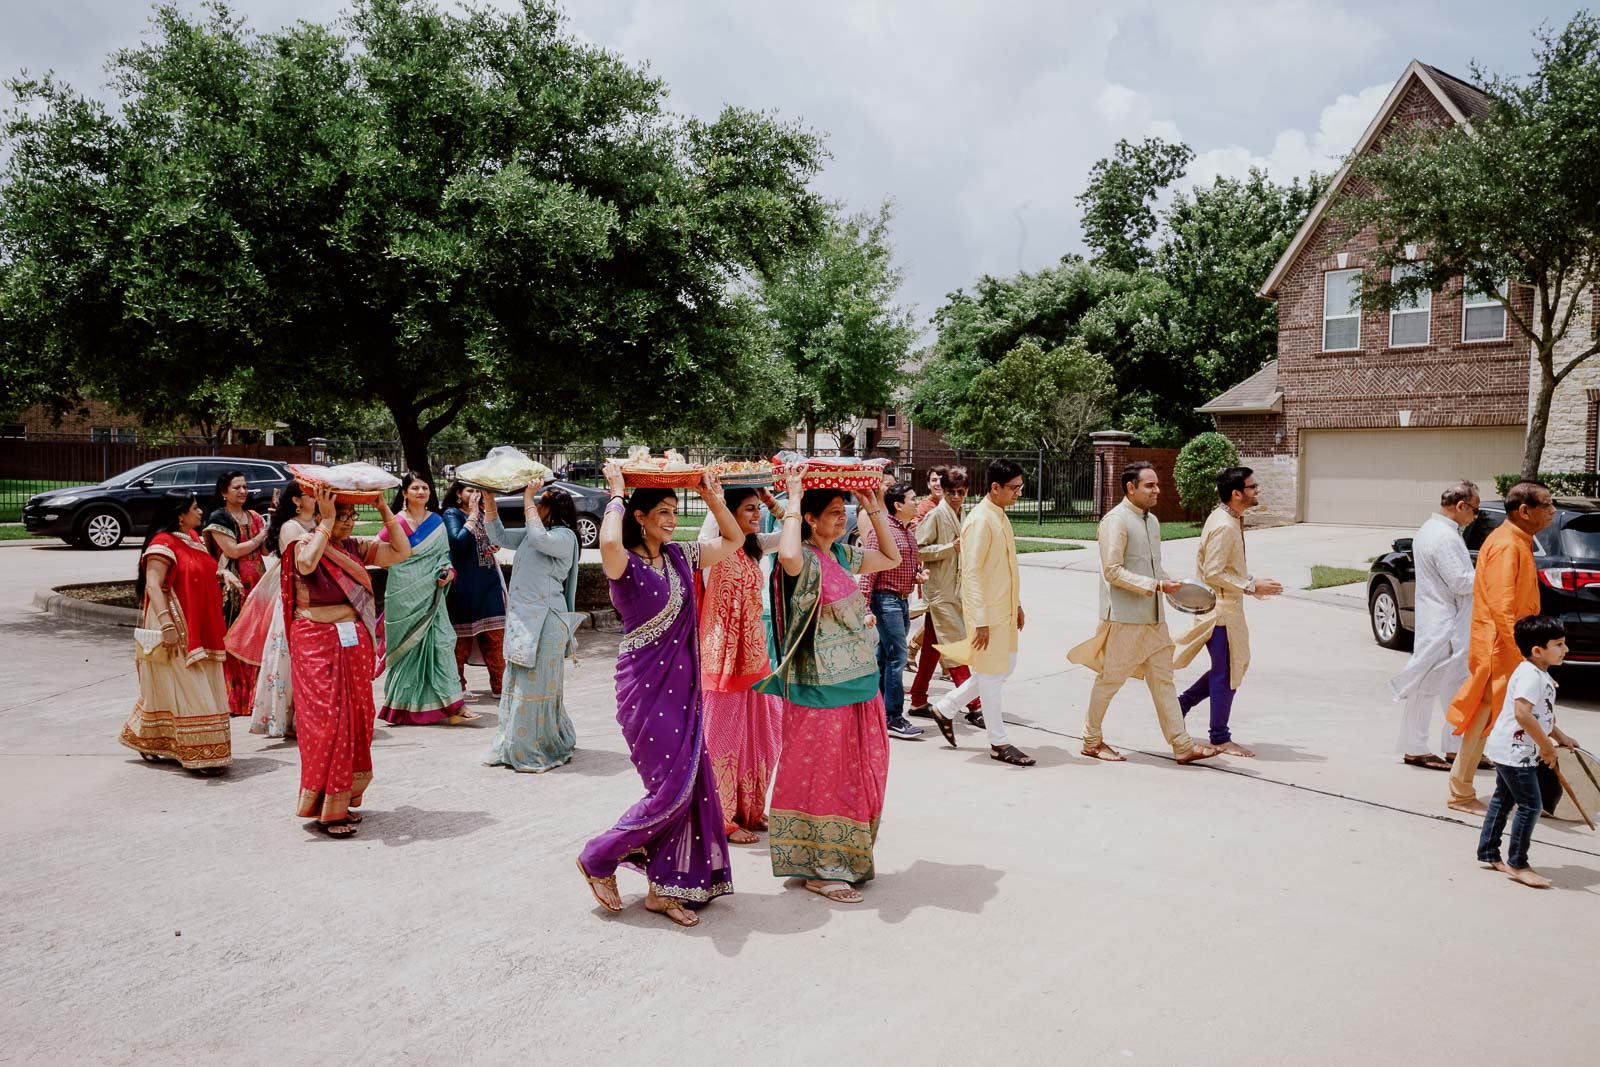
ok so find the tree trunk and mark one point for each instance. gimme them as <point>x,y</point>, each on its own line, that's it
<point>413,441</point>
<point>811,436</point>
<point>1539,418</point>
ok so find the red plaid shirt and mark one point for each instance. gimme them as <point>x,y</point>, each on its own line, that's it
<point>900,579</point>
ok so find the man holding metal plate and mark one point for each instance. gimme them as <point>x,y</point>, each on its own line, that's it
<point>1132,640</point>
<point>1220,628</point>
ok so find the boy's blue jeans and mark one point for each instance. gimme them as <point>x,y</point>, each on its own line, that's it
<point>1513,787</point>
<point>894,619</point>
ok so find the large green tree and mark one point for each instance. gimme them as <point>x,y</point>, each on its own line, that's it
<point>1035,399</point>
<point>1119,202</point>
<point>1515,197</point>
<point>837,327</point>
<point>438,211</point>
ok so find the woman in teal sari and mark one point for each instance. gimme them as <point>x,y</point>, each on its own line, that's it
<point>535,734</point>
<point>421,685</point>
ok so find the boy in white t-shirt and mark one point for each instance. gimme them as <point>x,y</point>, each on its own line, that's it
<point>1524,733</point>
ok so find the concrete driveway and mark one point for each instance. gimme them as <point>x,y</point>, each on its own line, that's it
<point>1315,905</point>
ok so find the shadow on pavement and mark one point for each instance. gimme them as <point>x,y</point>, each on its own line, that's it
<point>407,825</point>
<point>597,763</point>
<point>241,768</point>
<point>1582,879</point>
<point>1271,753</point>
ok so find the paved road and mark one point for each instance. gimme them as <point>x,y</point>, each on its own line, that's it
<point>1316,905</point>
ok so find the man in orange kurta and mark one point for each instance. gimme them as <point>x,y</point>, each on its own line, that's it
<point>1505,589</point>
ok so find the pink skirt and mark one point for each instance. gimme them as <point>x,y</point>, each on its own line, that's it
<point>744,732</point>
<point>828,794</point>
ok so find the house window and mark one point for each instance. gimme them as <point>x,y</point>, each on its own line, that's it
<point>1483,317</point>
<point>126,436</point>
<point>891,420</point>
<point>1408,320</point>
<point>1341,310</point>
<point>99,433</point>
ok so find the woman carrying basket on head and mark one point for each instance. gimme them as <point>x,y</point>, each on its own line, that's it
<point>421,685</point>
<point>828,794</point>
<point>674,835</point>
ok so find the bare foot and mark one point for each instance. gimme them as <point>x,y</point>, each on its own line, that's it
<point>672,909</point>
<point>1233,748</point>
<point>1105,752</point>
<point>1502,866</point>
<point>1197,753</point>
<point>1530,878</point>
<point>1469,807</point>
<point>740,836</point>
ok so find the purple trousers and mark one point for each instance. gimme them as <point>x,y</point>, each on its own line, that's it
<point>1214,684</point>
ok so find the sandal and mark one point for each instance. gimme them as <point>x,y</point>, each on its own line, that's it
<point>740,836</point>
<point>1105,752</point>
<point>672,909</point>
<point>1197,753</point>
<point>1011,754</point>
<point>1430,761</point>
<point>838,892</point>
<point>946,725</point>
<point>462,716</point>
<point>608,882</point>
<point>342,828</point>
<point>975,717</point>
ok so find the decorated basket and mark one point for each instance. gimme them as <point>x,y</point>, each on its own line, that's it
<point>851,479</point>
<point>637,478</point>
<point>736,475</point>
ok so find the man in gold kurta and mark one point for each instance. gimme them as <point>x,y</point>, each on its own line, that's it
<point>1132,640</point>
<point>991,603</point>
<point>1505,589</point>
<point>1221,631</point>
<point>939,548</point>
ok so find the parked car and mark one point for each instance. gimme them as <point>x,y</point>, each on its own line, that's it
<point>589,501</point>
<point>101,516</point>
<point>1567,553</point>
<point>580,469</point>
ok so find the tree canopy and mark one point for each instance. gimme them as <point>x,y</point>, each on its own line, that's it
<point>1033,399</point>
<point>442,211</point>
<point>1515,196</point>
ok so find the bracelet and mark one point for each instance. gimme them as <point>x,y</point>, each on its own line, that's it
<point>787,517</point>
<point>614,507</point>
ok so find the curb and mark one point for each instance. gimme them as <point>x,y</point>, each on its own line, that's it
<point>84,611</point>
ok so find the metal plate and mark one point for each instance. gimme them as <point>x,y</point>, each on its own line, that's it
<point>1193,597</point>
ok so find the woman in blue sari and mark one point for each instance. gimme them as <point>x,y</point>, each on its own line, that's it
<point>477,598</point>
<point>674,836</point>
<point>535,733</point>
<point>420,686</point>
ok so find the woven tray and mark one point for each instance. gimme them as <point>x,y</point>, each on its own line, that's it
<point>745,480</point>
<point>663,479</point>
<point>345,496</point>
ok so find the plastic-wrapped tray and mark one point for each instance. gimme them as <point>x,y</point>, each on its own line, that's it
<point>311,476</point>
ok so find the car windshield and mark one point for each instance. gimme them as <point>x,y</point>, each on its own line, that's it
<point>1482,526</point>
<point>1580,537</point>
<point>129,477</point>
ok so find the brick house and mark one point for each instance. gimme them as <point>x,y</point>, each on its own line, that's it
<point>1364,417</point>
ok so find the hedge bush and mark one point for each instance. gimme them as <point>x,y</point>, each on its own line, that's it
<point>1561,483</point>
<point>1197,467</point>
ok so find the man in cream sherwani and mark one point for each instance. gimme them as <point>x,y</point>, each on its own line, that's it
<point>1438,663</point>
<point>1220,563</point>
<point>1132,640</point>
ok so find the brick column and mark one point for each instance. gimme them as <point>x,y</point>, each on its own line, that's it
<point>1110,456</point>
<point>1592,431</point>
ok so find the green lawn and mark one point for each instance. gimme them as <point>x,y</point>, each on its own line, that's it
<point>1323,576</point>
<point>1085,531</point>
<point>13,531</point>
<point>1025,546</point>
<point>14,492</point>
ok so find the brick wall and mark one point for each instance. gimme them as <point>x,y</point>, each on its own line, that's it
<point>88,416</point>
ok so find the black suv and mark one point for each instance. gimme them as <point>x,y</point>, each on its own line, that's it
<point>589,502</point>
<point>100,516</point>
<point>1567,553</point>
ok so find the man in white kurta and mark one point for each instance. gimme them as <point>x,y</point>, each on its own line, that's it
<point>1443,625</point>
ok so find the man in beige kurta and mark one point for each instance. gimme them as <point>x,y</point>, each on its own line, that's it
<point>991,604</point>
<point>939,548</point>
<point>1221,565</point>
<point>1132,640</point>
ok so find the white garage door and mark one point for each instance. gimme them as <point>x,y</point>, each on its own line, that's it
<point>1394,477</point>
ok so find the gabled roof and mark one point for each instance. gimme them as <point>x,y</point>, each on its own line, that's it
<point>1462,101</point>
<point>1256,395</point>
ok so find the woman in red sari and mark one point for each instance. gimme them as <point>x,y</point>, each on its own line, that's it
<point>235,535</point>
<point>182,713</point>
<point>335,651</point>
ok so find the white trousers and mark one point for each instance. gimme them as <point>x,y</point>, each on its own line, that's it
<point>988,688</point>
<point>1413,739</point>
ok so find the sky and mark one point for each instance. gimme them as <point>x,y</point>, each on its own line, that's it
<point>980,119</point>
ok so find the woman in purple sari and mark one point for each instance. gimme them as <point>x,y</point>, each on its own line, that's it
<point>674,836</point>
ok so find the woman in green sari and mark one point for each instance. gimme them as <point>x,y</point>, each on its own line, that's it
<point>421,685</point>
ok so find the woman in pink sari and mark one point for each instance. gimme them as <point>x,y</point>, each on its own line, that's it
<point>743,727</point>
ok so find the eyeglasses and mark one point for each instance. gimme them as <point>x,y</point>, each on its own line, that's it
<point>1012,487</point>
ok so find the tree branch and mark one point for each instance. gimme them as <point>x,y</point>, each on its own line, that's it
<point>1579,358</point>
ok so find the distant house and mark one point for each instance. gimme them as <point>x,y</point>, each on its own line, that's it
<point>1364,417</point>
<point>890,432</point>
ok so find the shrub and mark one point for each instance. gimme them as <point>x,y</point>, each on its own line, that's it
<point>1197,467</point>
<point>1567,483</point>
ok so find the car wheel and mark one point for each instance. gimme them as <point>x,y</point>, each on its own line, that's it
<point>588,531</point>
<point>1384,610</point>
<point>102,530</point>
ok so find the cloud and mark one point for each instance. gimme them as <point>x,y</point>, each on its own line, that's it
<point>1295,153</point>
